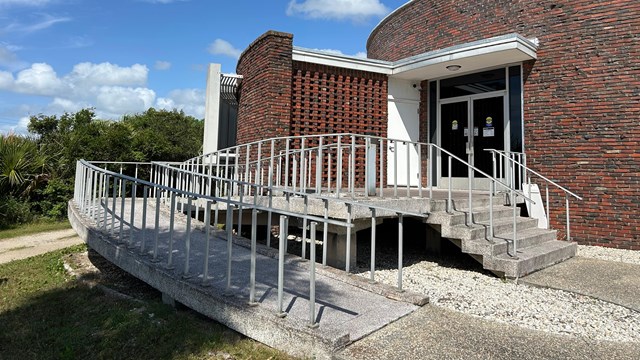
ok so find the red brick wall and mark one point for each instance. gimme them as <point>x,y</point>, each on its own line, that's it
<point>264,109</point>
<point>581,97</point>
<point>330,100</point>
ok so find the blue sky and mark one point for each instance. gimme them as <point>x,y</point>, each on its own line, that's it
<point>124,56</point>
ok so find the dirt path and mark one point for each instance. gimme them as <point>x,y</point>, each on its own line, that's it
<point>26,246</point>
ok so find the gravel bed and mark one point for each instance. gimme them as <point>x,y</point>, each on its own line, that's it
<point>481,294</point>
<point>610,254</point>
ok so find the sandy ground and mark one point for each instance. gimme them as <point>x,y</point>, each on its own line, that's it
<point>26,246</point>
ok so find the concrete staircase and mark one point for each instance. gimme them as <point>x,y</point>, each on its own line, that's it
<point>536,248</point>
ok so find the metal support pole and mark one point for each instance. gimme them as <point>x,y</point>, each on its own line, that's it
<point>229,229</point>
<point>348,255</point>
<point>312,278</point>
<point>281,242</point>
<point>400,249</point>
<point>304,227</point>
<point>449,202</point>
<point>373,245</point>
<point>252,272</point>
<point>325,232</point>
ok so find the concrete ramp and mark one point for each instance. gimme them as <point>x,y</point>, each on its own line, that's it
<point>345,311</point>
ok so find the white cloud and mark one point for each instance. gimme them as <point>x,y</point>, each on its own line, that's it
<point>191,101</point>
<point>39,79</point>
<point>45,22</point>
<point>356,10</point>
<point>162,65</point>
<point>89,74</point>
<point>359,54</point>
<point>223,47</point>
<point>9,59</point>
<point>122,100</point>
<point>111,89</point>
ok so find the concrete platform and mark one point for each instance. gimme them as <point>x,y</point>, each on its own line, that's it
<point>611,281</point>
<point>345,312</point>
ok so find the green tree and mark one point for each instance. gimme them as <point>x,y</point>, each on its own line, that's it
<point>164,135</point>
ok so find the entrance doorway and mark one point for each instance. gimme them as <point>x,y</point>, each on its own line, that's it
<point>468,126</point>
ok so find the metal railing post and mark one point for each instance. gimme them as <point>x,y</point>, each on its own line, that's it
<point>171,230</point>
<point>187,243</point>
<point>134,188</point>
<point>143,227</point>
<point>207,242</point>
<point>566,197</point>
<point>156,234</point>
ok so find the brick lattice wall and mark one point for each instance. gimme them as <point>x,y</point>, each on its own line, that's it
<point>581,97</point>
<point>330,100</point>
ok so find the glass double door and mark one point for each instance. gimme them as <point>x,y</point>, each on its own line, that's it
<point>468,126</point>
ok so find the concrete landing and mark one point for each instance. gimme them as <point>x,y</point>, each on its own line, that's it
<point>344,312</point>
<point>611,281</point>
<point>436,333</point>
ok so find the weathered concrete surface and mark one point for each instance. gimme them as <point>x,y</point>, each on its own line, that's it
<point>615,282</point>
<point>23,247</point>
<point>344,312</point>
<point>436,333</point>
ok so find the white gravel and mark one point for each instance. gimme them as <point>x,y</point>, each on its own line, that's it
<point>610,254</point>
<point>549,310</point>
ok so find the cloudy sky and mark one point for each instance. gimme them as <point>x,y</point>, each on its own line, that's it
<point>124,56</point>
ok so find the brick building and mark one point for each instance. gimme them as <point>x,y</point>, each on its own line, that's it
<point>558,81</point>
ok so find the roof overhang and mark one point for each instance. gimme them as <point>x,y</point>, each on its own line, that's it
<point>471,57</point>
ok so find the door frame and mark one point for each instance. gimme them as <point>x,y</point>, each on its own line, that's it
<point>457,182</point>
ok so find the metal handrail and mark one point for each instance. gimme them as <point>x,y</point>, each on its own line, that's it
<point>525,168</point>
<point>504,153</point>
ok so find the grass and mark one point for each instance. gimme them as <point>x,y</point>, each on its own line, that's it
<point>33,228</point>
<point>47,314</point>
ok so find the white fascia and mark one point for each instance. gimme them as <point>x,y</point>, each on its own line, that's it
<point>515,46</point>
<point>342,61</point>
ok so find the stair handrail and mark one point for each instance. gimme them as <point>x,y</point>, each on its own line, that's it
<point>505,154</point>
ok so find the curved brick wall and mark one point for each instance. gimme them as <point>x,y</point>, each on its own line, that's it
<point>581,97</point>
<point>264,108</point>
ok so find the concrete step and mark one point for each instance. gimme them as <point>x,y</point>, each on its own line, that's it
<point>531,258</point>
<point>501,244</point>
<point>480,230</point>
<point>479,201</point>
<point>459,217</point>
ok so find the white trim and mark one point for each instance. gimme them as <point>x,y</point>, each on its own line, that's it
<point>342,61</point>
<point>514,44</point>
